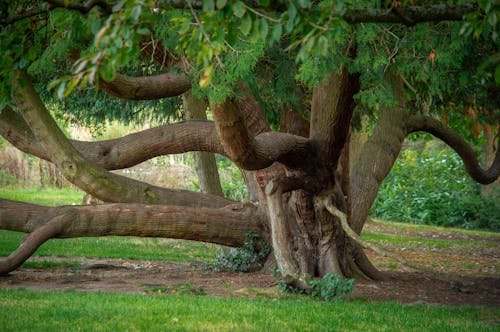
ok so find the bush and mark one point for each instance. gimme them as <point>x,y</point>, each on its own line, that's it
<point>249,257</point>
<point>331,288</point>
<point>432,187</point>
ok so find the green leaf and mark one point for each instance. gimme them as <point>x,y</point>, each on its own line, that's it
<point>497,74</point>
<point>208,5</point>
<point>136,13</point>
<point>239,9</point>
<point>143,31</point>
<point>492,19</point>
<point>60,90</point>
<point>221,3</point>
<point>108,71</point>
<point>276,33</point>
<point>305,3</point>
<point>264,28</point>
<point>292,13</point>
<point>246,25</point>
<point>71,85</point>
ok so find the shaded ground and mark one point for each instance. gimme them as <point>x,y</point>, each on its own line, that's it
<point>468,273</point>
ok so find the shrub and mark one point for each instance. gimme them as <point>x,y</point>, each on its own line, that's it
<point>432,187</point>
<point>249,257</point>
<point>331,288</point>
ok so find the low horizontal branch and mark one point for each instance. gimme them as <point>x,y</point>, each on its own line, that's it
<point>146,87</point>
<point>229,225</point>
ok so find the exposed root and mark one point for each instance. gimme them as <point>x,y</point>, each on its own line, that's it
<point>366,244</point>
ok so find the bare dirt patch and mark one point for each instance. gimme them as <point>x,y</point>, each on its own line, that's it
<point>467,276</point>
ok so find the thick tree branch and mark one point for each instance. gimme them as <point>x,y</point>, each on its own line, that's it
<point>50,5</point>
<point>332,108</point>
<point>253,153</point>
<point>457,143</point>
<point>378,154</point>
<point>92,178</point>
<point>125,151</point>
<point>34,240</point>
<point>146,87</point>
<point>106,7</point>
<point>410,15</point>
<point>228,226</point>
<point>406,15</point>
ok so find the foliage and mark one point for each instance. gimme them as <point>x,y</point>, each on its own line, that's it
<point>232,181</point>
<point>250,256</point>
<point>431,187</point>
<point>331,288</point>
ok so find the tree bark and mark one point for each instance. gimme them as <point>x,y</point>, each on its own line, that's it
<point>228,226</point>
<point>378,155</point>
<point>146,87</point>
<point>488,155</point>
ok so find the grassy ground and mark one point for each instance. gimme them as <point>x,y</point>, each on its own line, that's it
<point>43,196</point>
<point>71,311</point>
<point>40,311</point>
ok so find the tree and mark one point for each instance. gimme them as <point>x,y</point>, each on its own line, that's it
<point>309,70</point>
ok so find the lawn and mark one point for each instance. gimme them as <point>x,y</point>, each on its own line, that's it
<point>72,311</point>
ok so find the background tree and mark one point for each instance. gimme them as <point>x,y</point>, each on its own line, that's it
<point>310,70</point>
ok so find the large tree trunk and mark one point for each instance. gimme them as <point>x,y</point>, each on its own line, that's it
<point>205,164</point>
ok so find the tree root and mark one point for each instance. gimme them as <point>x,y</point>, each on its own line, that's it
<point>366,244</point>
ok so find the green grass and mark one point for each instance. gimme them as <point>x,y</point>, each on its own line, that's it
<point>429,228</point>
<point>46,196</point>
<point>116,247</point>
<point>22,310</point>
<point>45,264</point>
<point>437,243</point>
